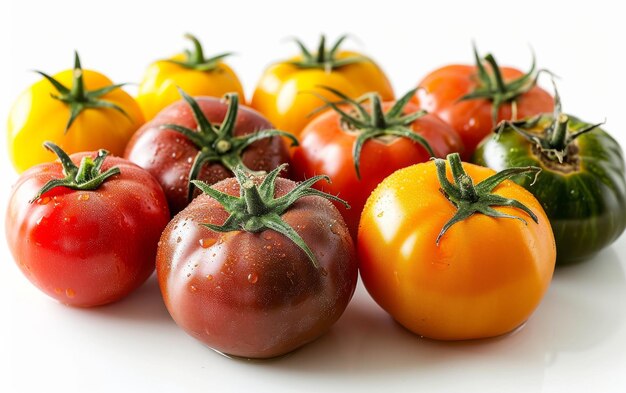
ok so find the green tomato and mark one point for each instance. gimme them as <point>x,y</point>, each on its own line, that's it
<point>581,186</point>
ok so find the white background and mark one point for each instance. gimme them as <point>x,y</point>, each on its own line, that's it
<point>575,342</point>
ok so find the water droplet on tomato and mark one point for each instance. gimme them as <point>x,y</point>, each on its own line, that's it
<point>57,291</point>
<point>178,239</point>
<point>267,236</point>
<point>253,278</point>
<point>70,292</point>
<point>189,160</point>
<point>207,242</point>
<point>43,201</point>
<point>193,288</point>
<point>267,247</point>
<point>209,277</point>
<point>380,214</point>
<point>83,197</point>
<point>323,271</point>
<point>334,228</point>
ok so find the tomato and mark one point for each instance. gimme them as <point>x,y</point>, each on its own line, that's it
<point>473,99</point>
<point>283,93</point>
<point>582,186</point>
<point>80,110</point>
<point>455,261</point>
<point>85,235</point>
<point>186,142</point>
<point>258,266</point>
<point>190,71</point>
<point>359,149</point>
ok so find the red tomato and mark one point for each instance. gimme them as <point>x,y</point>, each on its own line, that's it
<point>256,293</point>
<point>186,141</point>
<point>86,247</point>
<point>445,92</point>
<point>328,143</point>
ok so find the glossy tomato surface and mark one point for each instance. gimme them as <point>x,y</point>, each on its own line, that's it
<point>441,94</point>
<point>483,279</point>
<point>169,156</point>
<point>584,197</point>
<point>86,248</point>
<point>326,148</point>
<point>256,295</point>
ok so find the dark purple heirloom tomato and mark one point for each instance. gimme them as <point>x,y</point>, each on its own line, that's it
<point>258,266</point>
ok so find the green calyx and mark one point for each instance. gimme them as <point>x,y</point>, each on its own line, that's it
<point>87,176</point>
<point>256,209</point>
<point>554,141</point>
<point>323,58</point>
<point>218,143</point>
<point>492,87</point>
<point>375,123</point>
<point>78,98</point>
<point>469,198</point>
<point>195,60</point>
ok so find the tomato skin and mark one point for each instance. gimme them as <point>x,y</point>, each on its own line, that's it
<point>325,147</point>
<point>256,295</point>
<point>284,96</point>
<point>36,117</point>
<point>158,88</point>
<point>86,248</point>
<point>484,279</point>
<point>168,155</point>
<point>443,88</point>
<point>586,207</point>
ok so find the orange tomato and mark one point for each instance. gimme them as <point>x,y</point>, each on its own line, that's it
<point>484,277</point>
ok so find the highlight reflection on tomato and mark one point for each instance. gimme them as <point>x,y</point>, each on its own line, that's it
<point>469,261</point>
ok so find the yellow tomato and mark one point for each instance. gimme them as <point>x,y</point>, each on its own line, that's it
<point>455,262</point>
<point>289,91</point>
<point>190,71</point>
<point>79,110</point>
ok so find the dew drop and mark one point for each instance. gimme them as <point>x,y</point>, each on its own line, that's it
<point>83,197</point>
<point>334,228</point>
<point>43,201</point>
<point>57,291</point>
<point>253,278</point>
<point>268,247</point>
<point>207,242</point>
<point>323,271</point>
<point>380,214</point>
<point>267,236</point>
<point>209,277</point>
<point>70,292</point>
<point>189,160</point>
<point>193,288</point>
<point>178,239</point>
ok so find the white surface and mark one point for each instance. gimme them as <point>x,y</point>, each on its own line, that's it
<point>575,342</point>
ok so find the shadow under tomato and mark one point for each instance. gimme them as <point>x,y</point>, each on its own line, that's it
<point>145,304</point>
<point>584,306</point>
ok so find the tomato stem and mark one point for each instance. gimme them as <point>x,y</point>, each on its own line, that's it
<point>374,123</point>
<point>195,60</point>
<point>87,176</point>
<point>257,209</point>
<point>492,86</point>
<point>324,59</point>
<point>78,98</point>
<point>554,140</point>
<point>219,143</point>
<point>469,199</point>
